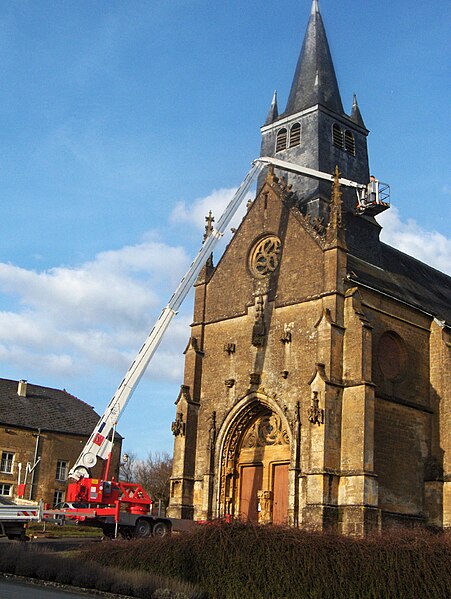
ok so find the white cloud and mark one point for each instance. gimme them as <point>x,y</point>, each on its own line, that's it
<point>194,214</point>
<point>430,247</point>
<point>68,322</point>
<point>69,319</point>
<point>115,287</point>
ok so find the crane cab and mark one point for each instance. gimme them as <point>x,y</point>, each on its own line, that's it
<point>93,491</point>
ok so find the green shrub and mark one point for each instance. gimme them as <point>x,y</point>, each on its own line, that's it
<point>244,562</point>
<point>34,562</point>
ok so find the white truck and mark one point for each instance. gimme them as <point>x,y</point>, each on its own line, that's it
<point>14,518</point>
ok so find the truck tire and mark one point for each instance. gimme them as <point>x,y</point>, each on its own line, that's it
<point>143,529</point>
<point>161,529</point>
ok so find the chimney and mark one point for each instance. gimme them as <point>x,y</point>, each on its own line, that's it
<point>22,388</point>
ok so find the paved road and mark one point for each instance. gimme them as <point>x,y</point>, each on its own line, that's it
<point>20,590</point>
<point>14,589</point>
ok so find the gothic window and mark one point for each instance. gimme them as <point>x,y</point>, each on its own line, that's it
<point>391,356</point>
<point>281,141</point>
<point>337,136</point>
<point>295,135</point>
<point>264,258</point>
<point>349,143</point>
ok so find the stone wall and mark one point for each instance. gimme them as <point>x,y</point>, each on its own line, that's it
<point>358,380</point>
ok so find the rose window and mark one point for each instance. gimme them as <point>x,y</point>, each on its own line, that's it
<point>265,256</point>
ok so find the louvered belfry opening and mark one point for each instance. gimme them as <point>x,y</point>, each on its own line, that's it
<point>295,135</point>
<point>337,136</point>
<point>349,142</point>
<point>281,142</point>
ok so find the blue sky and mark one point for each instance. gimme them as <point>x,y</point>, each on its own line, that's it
<point>124,122</point>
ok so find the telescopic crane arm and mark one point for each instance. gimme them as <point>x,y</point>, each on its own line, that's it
<point>99,444</point>
<point>307,172</point>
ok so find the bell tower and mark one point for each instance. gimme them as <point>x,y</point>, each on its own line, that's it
<point>314,131</point>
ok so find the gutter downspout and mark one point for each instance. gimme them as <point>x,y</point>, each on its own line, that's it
<point>36,449</point>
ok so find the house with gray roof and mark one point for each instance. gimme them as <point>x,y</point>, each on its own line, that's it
<point>42,432</point>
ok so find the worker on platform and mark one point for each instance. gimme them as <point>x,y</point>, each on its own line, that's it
<point>373,188</point>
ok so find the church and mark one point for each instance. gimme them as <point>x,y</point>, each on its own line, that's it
<point>317,381</point>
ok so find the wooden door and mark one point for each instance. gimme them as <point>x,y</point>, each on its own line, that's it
<point>251,482</point>
<point>280,494</point>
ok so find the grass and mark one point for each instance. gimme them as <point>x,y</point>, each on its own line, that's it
<point>67,530</point>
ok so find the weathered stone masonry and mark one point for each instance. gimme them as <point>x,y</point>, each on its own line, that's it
<point>317,376</point>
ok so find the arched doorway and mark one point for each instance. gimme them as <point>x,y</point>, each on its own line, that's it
<point>256,457</point>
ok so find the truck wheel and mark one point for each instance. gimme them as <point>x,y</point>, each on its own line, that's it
<point>161,529</point>
<point>143,529</point>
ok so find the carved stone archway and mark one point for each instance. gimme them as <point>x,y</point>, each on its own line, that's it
<point>256,443</point>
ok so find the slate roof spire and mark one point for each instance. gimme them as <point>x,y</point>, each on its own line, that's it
<point>356,115</point>
<point>314,80</point>
<point>315,7</point>
<point>273,110</point>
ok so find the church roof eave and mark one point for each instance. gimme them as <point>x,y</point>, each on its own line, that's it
<point>286,118</point>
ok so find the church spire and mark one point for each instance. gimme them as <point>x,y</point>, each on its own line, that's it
<point>356,115</point>
<point>314,79</point>
<point>273,110</point>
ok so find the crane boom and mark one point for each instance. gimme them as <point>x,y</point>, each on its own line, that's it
<point>307,172</point>
<point>98,445</point>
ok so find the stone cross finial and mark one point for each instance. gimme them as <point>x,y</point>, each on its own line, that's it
<point>210,219</point>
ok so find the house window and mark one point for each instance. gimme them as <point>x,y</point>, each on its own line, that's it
<point>6,489</point>
<point>349,143</point>
<point>295,135</point>
<point>6,464</point>
<point>337,136</point>
<point>61,470</point>
<point>58,497</point>
<point>281,141</point>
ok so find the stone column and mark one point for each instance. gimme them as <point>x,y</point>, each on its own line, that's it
<point>358,490</point>
<point>438,473</point>
<point>184,429</point>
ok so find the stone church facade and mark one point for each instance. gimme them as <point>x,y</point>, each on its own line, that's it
<point>317,377</point>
